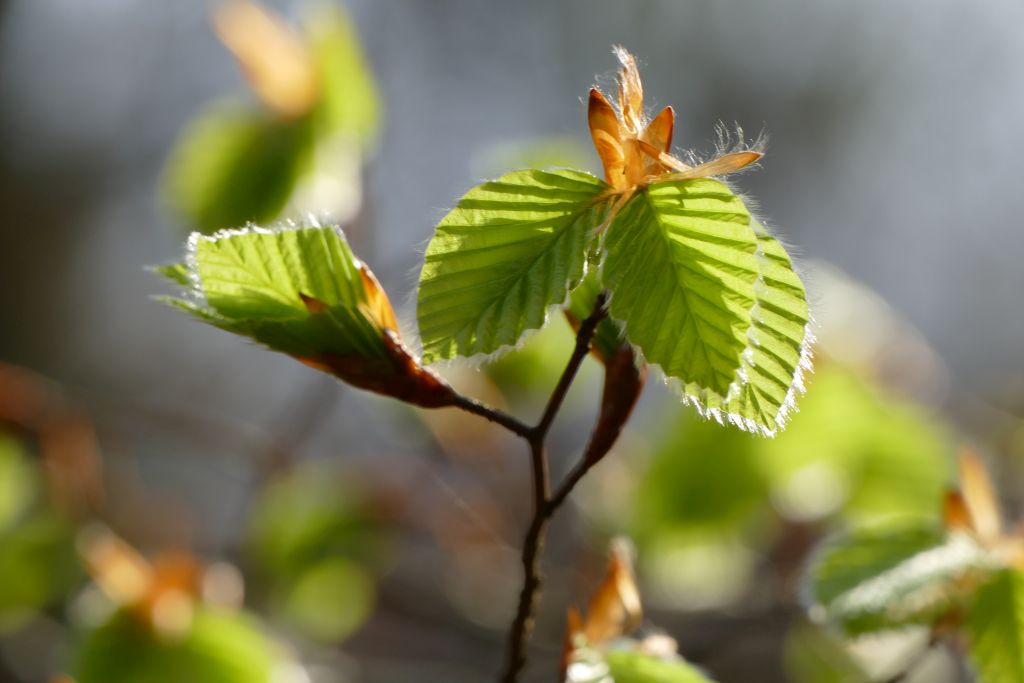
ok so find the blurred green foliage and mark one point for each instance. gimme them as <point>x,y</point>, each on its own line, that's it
<point>813,655</point>
<point>235,164</point>
<point>219,647</point>
<point>316,545</point>
<point>239,162</point>
<point>996,628</point>
<point>37,560</point>
<point>349,102</point>
<point>851,454</point>
<point>637,667</point>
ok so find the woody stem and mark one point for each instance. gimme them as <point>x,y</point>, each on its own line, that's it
<point>544,506</point>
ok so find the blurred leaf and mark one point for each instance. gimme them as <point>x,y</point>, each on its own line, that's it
<point>234,165</point>
<point>526,372</point>
<point>301,291</point>
<point>18,482</point>
<point>349,104</point>
<point>310,515</point>
<point>37,561</point>
<point>37,567</point>
<point>220,647</point>
<point>329,600</point>
<point>813,655</point>
<point>702,477</point>
<point>638,667</point>
<point>891,577</point>
<point>511,249</point>
<point>856,451</point>
<point>996,628</point>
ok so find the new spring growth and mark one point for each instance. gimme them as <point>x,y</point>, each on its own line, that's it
<point>635,150</point>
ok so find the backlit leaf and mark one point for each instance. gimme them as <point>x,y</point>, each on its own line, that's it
<point>682,267</point>
<point>780,338</point>
<point>511,249</point>
<point>301,291</point>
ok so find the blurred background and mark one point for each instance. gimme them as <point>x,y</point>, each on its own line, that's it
<point>373,543</point>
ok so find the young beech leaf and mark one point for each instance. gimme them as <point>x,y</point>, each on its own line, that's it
<point>779,340</point>
<point>510,249</point>
<point>995,626</point>
<point>889,578</point>
<point>301,291</point>
<point>702,288</point>
<point>681,267</point>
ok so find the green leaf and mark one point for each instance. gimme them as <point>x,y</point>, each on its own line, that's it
<point>996,628</point>
<point>234,165</point>
<point>888,578</point>
<point>682,268</point>
<point>251,282</point>
<point>220,647</point>
<point>780,339</point>
<point>637,667</point>
<point>349,104</point>
<point>510,249</point>
<point>301,291</point>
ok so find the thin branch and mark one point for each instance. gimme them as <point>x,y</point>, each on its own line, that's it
<point>471,405</point>
<point>583,338</point>
<point>522,626</point>
<point>533,544</point>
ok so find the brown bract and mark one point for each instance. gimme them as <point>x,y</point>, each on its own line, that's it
<point>161,594</point>
<point>276,60</point>
<point>974,510</point>
<point>635,151</point>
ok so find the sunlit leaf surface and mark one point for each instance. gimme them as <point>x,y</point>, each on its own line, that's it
<point>681,267</point>
<point>511,249</point>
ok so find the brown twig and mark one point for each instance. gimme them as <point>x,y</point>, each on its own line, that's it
<point>471,405</point>
<point>522,625</point>
<point>614,412</point>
